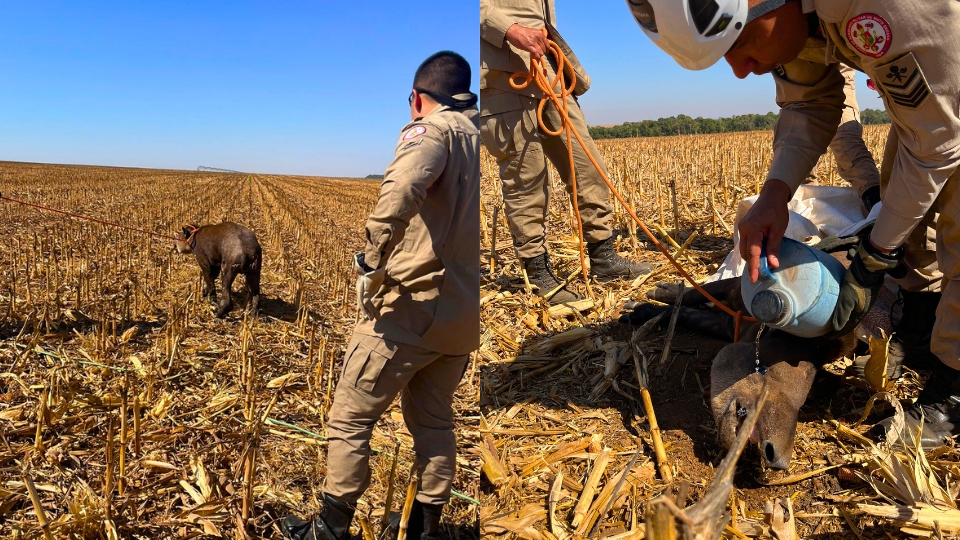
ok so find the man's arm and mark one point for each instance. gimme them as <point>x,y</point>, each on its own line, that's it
<point>493,24</point>
<point>416,166</point>
<point>808,121</point>
<point>495,27</point>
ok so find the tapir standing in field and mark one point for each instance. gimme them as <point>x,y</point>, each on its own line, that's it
<point>224,250</point>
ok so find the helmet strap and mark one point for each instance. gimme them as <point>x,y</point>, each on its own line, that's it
<point>763,8</point>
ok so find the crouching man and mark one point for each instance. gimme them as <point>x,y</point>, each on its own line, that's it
<point>418,288</point>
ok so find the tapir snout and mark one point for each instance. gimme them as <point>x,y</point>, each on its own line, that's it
<point>735,386</point>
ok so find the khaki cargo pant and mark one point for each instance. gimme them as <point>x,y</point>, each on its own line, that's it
<point>932,252</point>
<point>522,149</point>
<point>920,248</point>
<point>855,164</point>
<point>374,372</point>
<point>945,341</point>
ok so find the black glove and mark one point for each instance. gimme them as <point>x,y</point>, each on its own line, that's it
<point>861,285</point>
<point>850,243</point>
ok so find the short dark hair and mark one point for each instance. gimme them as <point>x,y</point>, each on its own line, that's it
<point>445,73</point>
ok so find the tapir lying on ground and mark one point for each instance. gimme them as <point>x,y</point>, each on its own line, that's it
<point>790,363</point>
<point>226,249</point>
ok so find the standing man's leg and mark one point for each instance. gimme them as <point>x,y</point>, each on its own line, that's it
<point>920,288</point>
<point>855,163</point>
<point>937,408</point>
<point>511,134</point>
<point>946,332</point>
<point>374,372</point>
<point>593,195</point>
<point>427,404</point>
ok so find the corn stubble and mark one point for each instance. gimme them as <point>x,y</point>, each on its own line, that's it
<point>127,410</point>
<point>561,422</point>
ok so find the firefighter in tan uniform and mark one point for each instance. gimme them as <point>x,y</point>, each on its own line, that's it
<point>418,288</point>
<point>919,288</point>
<point>911,50</point>
<point>510,34</point>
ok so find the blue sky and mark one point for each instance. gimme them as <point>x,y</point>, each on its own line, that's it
<point>316,88</point>
<point>634,80</point>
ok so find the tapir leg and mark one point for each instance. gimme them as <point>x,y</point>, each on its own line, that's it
<point>725,290</point>
<point>715,324</point>
<point>229,274</point>
<point>209,282</point>
<point>253,286</point>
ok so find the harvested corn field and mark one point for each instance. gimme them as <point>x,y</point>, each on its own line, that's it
<point>567,444</point>
<point>129,411</point>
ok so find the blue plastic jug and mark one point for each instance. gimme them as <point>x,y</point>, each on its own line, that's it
<point>799,297</point>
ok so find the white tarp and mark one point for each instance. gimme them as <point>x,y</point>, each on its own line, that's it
<point>815,212</point>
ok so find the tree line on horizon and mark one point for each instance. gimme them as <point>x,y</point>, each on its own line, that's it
<point>685,125</point>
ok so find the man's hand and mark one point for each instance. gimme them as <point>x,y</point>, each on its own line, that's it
<point>861,284</point>
<point>767,219</point>
<point>532,40</point>
<point>369,282</point>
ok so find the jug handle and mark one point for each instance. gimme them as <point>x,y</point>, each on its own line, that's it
<point>764,273</point>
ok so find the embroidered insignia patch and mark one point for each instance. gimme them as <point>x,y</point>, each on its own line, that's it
<point>414,132</point>
<point>903,81</point>
<point>869,34</point>
<point>409,145</point>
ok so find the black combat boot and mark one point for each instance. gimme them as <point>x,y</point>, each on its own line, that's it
<point>424,523</point>
<point>910,345</point>
<point>937,410</point>
<point>431,522</point>
<point>333,523</point>
<point>606,265</point>
<point>540,273</point>
<point>915,327</point>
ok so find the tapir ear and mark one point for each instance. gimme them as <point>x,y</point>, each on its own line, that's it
<point>732,364</point>
<point>793,381</point>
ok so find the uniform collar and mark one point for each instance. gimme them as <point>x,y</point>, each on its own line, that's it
<point>436,110</point>
<point>440,108</point>
<point>808,6</point>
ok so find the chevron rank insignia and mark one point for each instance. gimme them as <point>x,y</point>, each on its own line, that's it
<point>903,81</point>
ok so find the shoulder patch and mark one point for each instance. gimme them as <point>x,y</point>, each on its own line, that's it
<point>414,132</point>
<point>869,34</point>
<point>903,81</point>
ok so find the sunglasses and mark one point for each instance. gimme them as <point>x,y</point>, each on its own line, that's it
<point>418,90</point>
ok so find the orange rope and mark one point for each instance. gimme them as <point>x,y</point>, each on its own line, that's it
<point>537,73</point>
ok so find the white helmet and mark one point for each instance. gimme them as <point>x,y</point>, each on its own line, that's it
<point>696,33</point>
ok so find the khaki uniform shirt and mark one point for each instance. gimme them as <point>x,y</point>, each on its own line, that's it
<point>499,59</point>
<point>910,49</point>
<point>425,229</point>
